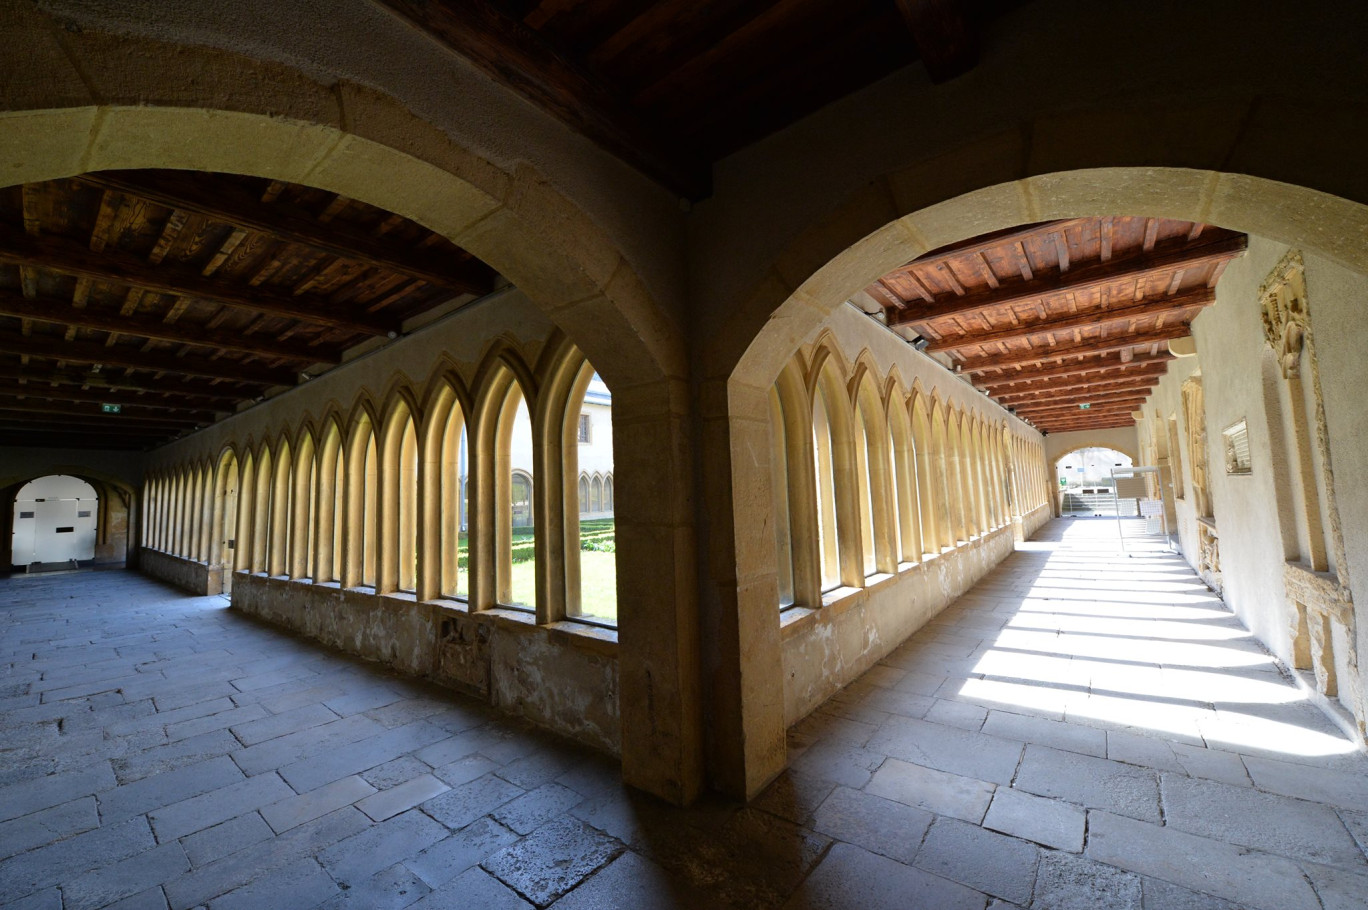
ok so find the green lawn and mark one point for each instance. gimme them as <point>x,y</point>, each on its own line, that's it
<point>598,568</point>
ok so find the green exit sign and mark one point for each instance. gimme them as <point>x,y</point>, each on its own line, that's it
<point>1084,407</point>
<point>111,408</point>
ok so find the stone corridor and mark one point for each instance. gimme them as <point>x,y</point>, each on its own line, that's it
<point>1084,729</point>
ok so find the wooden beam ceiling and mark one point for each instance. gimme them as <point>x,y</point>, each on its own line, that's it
<point>1104,365</point>
<point>130,413</point>
<point>138,359</point>
<point>60,312</point>
<point>187,294</point>
<point>1178,305</point>
<point>1096,398</point>
<point>1146,373</point>
<point>1086,278</point>
<point>232,204</point>
<point>68,258</point>
<point>520,58</point>
<point>1090,346</point>
<point>180,404</point>
<point>195,393</point>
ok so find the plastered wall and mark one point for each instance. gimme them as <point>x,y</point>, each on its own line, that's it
<point>1253,511</point>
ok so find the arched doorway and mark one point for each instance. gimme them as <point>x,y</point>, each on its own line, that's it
<point>54,522</point>
<point>1274,212</point>
<point>1083,480</point>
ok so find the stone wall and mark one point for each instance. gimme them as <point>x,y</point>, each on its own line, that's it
<point>188,574</point>
<point>563,677</point>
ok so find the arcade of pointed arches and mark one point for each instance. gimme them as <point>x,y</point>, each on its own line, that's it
<point>872,477</point>
<point>375,498</point>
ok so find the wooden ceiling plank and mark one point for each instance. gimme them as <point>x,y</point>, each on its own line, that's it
<point>946,39</point>
<point>1142,386</point>
<point>83,352</point>
<point>889,300</point>
<point>1092,346</point>
<point>1079,368</point>
<point>93,412</point>
<point>55,312</point>
<point>38,388</point>
<point>227,204</point>
<point>1061,245</point>
<point>120,268</point>
<point>1104,236</point>
<point>1129,404</point>
<point>1151,234</point>
<point>988,274</point>
<point>1098,402</point>
<point>522,60</point>
<point>992,241</point>
<point>1085,277</point>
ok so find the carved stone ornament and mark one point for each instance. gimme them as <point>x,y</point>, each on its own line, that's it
<point>1282,304</point>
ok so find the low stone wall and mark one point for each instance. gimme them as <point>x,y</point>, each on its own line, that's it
<point>1034,520</point>
<point>563,677</point>
<point>188,574</point>
<point>825,650</point>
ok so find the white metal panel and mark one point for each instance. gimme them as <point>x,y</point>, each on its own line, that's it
<point>64,512</point>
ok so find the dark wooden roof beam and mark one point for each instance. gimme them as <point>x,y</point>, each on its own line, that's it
<point>88,352</point>
<point>522,60</point>
<point>131,414</point>
<point>68,258</point>
<point>1079,279</point>
<point>1080,396</point>
<point>230,204</point>
<point>58,312</point>
<point>1091,346</point>
<point>1090,319</point>
<point>46,391</point>
<point>198,394</point>
<point>1144,372</point>
<point>1102,363</point>
<point>1073,401</point>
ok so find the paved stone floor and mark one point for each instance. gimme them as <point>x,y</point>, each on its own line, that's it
<point>1082,730</point>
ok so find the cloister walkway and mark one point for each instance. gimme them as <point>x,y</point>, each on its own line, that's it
<point>1082,729</point>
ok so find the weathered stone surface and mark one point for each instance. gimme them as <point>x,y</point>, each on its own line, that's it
<point>977,755</point>
<point>461,805</point>
<point>1051,822</point>
<point>526,813</point>
<point>1198,863</point>
<point>1066,882</point>
<point>1092,782</point>
<point>879,825</point>
<point>1277,824</point>
<point>554,859</point>
<point>468,847</point>
<point>226,838</point>
<point>381,845</point>
<point>851,877</point>
<point>473,888</point>
<point>927,788</point>
<point>995,864</point>
<point>388,803</point>
<point>296,810</point>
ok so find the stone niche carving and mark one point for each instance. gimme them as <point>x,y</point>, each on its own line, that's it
<point>1315,581</point>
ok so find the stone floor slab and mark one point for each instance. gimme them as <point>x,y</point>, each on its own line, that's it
<point>1051,822</point>
<point>1248,878</point>
<point>553,860</point>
